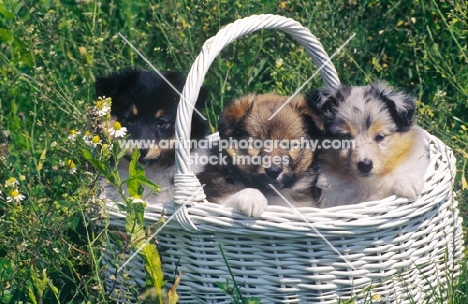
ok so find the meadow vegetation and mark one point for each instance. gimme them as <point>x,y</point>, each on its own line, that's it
<point>51,52</point>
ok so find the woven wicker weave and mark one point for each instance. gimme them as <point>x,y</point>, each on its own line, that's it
<point>392,251</point>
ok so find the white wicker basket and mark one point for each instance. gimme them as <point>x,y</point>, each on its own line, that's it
<point>391,251</point>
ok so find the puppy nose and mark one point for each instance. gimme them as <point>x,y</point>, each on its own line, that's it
<point>365,166</point>
<point>273,172</point>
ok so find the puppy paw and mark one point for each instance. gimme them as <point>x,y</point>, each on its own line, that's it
<point>251,202</point>
<point>409,189</point>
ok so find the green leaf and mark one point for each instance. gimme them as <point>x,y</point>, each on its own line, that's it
<point>117,151</point>
<point>6,36</point>
<point>7,296</point>
<point>221,286</point>
<point>6,269</point>
<point>53,288</point>
<point>6,14</point>
<point>134,169</point>
<point>118,237</point>
<point>253,300</point>
<point>31,295</point>
<point>132,227</point>
<point>75,222</point>
<point>153,267</point>
<point>134,224</point>
<point>139,210</point>
<point>120,154</point>
<point>42,159</point>
<point>99,166</point>
<point>145,181</point>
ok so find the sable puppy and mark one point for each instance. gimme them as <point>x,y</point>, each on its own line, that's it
<point>243,175</point>
<point>390,155</point>
<point>146,105</point>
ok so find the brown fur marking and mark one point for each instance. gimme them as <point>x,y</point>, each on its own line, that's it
<point>134,109</point>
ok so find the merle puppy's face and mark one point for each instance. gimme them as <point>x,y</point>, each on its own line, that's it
<point>376,118</point>
<point>146,105</point>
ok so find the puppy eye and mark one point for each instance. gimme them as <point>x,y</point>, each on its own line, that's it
<point>162,123</point>
<point>379,137</point>
<point>344,136</point>
<point>239,133</point>
<point>129,120</point>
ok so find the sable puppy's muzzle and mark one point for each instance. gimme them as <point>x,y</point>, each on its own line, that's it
<point>276,167</point>
<point>273,171</point>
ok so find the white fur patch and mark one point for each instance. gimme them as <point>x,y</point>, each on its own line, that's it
<point>250,201</point>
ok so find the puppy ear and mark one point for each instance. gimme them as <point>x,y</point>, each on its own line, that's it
<point>311,115</point>
<point>114,84</point>
<point>325,101</point>
<point>177,79</point>
<point>232,118</point>
<point>401,106</point>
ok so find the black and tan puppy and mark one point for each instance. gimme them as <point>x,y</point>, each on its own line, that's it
<point>388,155</point>
<point>258,152</point>
<point>146,105</point>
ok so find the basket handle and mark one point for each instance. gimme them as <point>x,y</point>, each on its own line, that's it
<point>186,183</point>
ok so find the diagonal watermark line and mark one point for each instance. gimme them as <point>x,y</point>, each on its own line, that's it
<point>316,231</point>
<point>160,74</point>
<point>159,229</point>
<point>313,75</point>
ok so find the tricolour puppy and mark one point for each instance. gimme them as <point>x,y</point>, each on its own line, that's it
<point>146,105</point>
<point>257,152</point>
<point>382,151</point>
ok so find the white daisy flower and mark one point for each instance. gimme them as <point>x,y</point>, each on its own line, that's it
<point>11,182</point>
<point>15,196</point>
<point>95,141</point>
<point>87,138</point>
<point>71,166</point>
<point>117,130</point>
<point>103,106</point>
<point>137,199</point>
<point>73,134</point>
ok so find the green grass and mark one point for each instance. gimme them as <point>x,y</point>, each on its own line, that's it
<point>50,52</point>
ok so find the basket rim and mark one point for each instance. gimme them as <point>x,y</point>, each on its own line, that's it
<point>350,219</point>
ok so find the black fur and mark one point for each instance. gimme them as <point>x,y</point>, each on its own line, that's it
<point>149,93</point>
<point>325,101</point>
<point>403,111</point>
